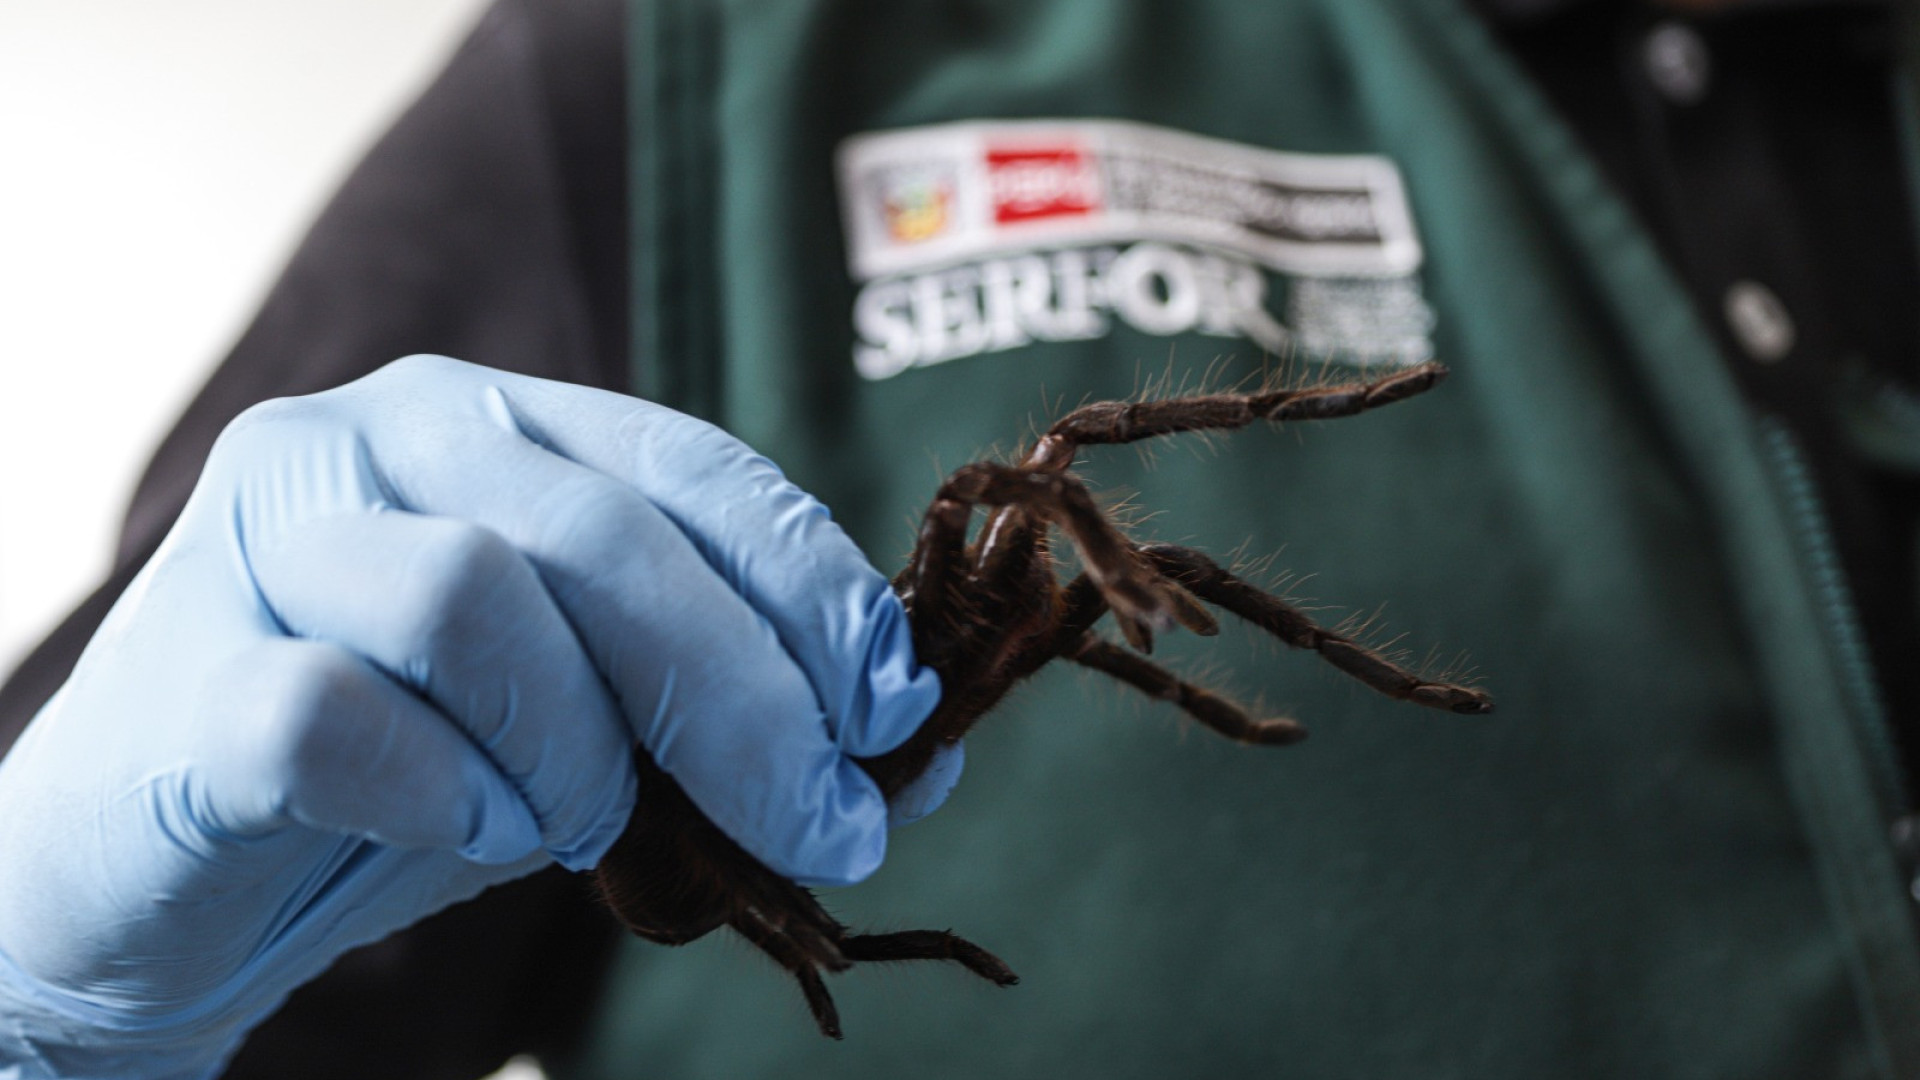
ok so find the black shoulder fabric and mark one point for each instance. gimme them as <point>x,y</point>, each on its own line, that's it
<point>488,224</point>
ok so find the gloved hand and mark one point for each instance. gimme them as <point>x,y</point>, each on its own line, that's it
<point>395,651</point>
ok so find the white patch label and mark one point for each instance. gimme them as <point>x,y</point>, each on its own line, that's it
<point>982,236</point>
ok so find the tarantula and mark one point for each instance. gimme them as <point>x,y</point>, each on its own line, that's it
<point>986,613</point>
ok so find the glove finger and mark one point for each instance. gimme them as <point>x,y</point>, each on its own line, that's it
<point>771,542</point>
<point>777,546</point>
<point>924,794</point>
<point>704,680</point>
<point>328,742</point>
<point>452,611</point>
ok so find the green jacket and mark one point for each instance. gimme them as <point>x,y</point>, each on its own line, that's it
<point>1666,855</point>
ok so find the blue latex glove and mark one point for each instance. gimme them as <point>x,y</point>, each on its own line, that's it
<point>396,651</point>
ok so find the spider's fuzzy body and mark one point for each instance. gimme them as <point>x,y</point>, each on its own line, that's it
<point>987,611</point>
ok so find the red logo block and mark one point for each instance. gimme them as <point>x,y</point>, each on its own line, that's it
<point>1032,182</point>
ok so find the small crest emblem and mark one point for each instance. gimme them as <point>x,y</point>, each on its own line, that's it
<point>917,203</point>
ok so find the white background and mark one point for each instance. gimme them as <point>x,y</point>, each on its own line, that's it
<point>158,161</point>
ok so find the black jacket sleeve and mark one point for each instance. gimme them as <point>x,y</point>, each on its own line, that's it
<point>488,224</point>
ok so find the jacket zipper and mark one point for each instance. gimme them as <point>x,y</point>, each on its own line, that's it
<point>1840,617</point>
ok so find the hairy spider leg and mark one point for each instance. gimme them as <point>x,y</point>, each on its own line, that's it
<point>789,956</point>
<point>1074,639</point>
<point>1010,592</point>
<point>869,948</point>
<point>792,912</point>
<point>929,945</point>
<point>960,610</point>
<point>960,621</point>
<point>1081,605</point>
<point>1111,422</point>
<point>1198,702</point>
<point>1131,589</point>
<point>1208,581</point>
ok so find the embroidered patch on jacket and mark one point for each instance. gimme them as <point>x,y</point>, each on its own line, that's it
<point>988,235</point>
